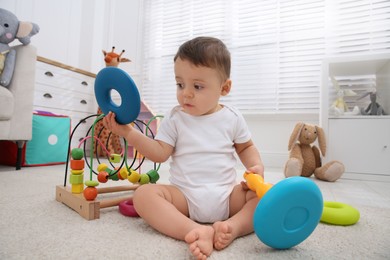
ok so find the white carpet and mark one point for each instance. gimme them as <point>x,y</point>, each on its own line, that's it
<point>35,226</point>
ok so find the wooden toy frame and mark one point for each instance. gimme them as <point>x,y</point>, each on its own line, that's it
<point>90,210</point>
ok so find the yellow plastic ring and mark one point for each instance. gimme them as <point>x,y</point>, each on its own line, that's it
<point>337,213</point>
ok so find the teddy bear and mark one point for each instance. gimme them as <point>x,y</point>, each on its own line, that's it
<point>10,29</point>
<point>305,158</point>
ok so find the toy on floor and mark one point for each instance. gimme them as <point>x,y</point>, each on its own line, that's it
<point>288,212</point>
<point>337,213</point>
<point>86,205</point>
<point>305,158</point>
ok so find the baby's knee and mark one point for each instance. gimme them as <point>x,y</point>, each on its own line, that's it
<point>141,192</point>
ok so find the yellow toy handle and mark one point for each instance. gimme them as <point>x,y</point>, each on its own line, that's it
<point>256,183</point>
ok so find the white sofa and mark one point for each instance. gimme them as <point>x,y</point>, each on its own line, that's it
<point>16,101</point>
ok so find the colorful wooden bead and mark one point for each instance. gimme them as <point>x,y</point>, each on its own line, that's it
<point>115,158</point>
<point>90,193</point>
<point>153,175</point>
<point>77,164</point>
<point>102,167</point>
<point>76,179</point>
<point>77,153</point>
<point>77,172</point>
<point>133,177</point>
<point>113,176</point>
<point>77,188</point>
<point>122,174</point>
<point>144,179</point>
<point>91,183</point>
<point>102,177</point>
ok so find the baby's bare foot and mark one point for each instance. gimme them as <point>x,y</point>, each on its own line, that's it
<point>223,235</point>
<point>200,241</point>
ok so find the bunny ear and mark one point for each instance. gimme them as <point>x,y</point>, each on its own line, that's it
<point>335,83</point>
<point>349,93</point>
<point>295,134</point>
<point>321,140</point>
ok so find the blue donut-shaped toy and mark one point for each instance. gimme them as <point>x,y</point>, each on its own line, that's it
<point>288,213</point>
<point>112,78</point>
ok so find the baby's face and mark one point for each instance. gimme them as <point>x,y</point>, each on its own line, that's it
<point>198,88</point>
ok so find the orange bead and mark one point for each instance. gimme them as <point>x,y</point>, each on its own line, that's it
<point>102,177</point>
<point>90,193</point>
<point>77,164</point>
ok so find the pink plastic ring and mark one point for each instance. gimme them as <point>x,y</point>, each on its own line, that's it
<point>127,208</point>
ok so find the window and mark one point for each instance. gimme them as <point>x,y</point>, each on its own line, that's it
<point>277,47</point>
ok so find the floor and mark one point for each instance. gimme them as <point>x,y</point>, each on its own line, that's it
<point>351,191</point>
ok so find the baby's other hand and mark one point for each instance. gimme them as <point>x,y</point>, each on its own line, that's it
<point>257,169</point>
<point>112,125</point>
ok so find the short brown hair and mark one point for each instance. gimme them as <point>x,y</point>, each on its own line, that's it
<point>206,51</point>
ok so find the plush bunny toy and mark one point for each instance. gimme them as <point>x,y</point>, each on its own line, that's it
<point>10,29</point>
<point>305,158</point>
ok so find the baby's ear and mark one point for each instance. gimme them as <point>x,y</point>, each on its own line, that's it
<point>226,87</point>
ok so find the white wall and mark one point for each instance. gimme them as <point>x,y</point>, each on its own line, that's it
<point>75,33</point>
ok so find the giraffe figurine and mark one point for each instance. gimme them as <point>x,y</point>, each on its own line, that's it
<point>111,59</point>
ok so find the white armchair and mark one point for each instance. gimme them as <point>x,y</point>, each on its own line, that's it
<point>16,101</point>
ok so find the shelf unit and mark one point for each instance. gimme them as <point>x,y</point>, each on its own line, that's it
<point>361,142</point>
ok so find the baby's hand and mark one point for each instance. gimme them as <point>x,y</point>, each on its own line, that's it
<point>112,125</point>
<point>257,169</point>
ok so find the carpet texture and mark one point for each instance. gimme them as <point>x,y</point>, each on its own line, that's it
<point>35,226</point>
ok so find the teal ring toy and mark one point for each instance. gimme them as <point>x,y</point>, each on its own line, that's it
<point>288,213</point>
<point>112,78</point>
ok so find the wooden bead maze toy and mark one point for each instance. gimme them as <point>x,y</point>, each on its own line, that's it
<point>82,195</point>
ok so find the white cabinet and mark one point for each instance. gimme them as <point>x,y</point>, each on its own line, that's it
<point>65,90</point>
<point>361,142</point>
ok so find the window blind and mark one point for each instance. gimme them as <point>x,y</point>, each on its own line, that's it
<point>277,47</point>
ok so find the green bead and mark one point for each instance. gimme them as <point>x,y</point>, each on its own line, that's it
<point>112,176</point>
<point>76,178</point>
<point>115,158</point>
<point>144,179</point>
<point>77,153</point>
<point>91,183</point>
<point>153,175</point>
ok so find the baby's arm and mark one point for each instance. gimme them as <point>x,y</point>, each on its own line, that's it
<point>154,150</point>
<point>250,157</point>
